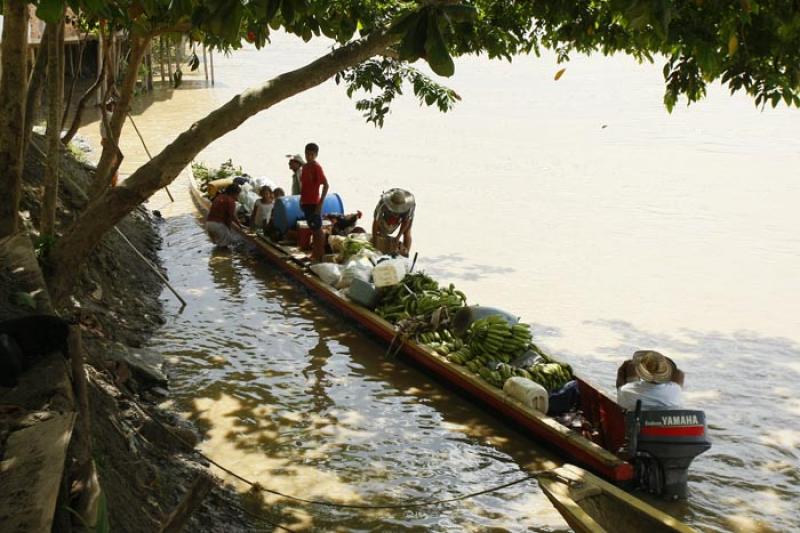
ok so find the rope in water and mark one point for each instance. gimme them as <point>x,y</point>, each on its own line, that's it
<point>407,505</point>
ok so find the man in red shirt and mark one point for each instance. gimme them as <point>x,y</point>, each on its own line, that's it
<point>311,199</point>
<point>222,215</point>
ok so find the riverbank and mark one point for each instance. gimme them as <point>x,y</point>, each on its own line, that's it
<point>143,454</point>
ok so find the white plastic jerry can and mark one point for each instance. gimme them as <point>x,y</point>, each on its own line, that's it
<point>528,392</point>
<point>389,272</point>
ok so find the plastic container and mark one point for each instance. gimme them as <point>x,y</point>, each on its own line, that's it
<point>363,293</point>
<point>530,393</point>
<point>287,210</point>
<point>467,315</point>
<point>389,272</point>
<point>304,233</point>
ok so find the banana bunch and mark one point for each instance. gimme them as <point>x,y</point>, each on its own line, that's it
<point>418,295</point>
<point>550,375</point>
<point>430,300</point>
<point>495,337</point>
<point>462,355</point>
<point>442,342</point>
<point>395,298</point>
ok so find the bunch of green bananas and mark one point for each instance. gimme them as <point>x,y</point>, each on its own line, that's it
<point>442,342</point>
<point>495,337</point>
<point>461,355</point>
<point>550,375</point>
<point>418,295</point>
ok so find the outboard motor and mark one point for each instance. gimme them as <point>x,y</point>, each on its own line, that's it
<point>662,445</point>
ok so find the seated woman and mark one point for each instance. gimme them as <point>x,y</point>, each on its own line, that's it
<point>651,377</point>
<point>394,212</point>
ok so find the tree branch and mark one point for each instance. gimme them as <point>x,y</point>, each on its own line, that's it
<point>102,214</point>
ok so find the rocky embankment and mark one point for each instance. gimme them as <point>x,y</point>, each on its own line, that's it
<point>143,455</point>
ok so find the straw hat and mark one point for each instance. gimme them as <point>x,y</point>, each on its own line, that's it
<point>398,201</point>
<point>652,366</point>
<point>296,157</point>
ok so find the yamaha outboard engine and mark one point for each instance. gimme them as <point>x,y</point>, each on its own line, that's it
<point>662,445</point>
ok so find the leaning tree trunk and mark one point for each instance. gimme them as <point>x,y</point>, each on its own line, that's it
<point>13,84</point>
<point>55,94</point>
<point>75,77</point>
<point>35,86</point>
<point>108,159</point>
<point>105,212</point>
<point>84,100</point>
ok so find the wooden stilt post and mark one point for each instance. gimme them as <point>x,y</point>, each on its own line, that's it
<point>100,60</point>
<point>211,55</point>
<point>149,62</point>
<point>205,62</point>
<point>161,57</point>
<point>169,63</point>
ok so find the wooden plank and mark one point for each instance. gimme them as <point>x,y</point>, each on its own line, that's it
<point>30,475</point>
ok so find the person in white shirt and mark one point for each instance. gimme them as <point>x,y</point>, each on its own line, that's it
<point>262,210</point>
<point>651,377</point>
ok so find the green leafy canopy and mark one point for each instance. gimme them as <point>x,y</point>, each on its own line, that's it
<point>748,45</point>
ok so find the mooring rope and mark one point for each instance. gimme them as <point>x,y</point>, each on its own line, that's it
<point>408,505</point>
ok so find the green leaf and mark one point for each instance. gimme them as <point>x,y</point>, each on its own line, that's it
<point>436,50</point>
<point>272,9</point>
<point>287,8</point>
<point>233,23</point>
<point>412,46</point>
<point>50,11</point>
<point>460,13</point>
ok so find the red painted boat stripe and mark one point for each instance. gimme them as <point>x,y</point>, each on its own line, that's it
<point>674,431</point>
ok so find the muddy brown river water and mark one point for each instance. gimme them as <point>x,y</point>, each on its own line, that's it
<point>580,205</point>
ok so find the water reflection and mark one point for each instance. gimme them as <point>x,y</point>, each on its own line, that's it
<point>302,402</point>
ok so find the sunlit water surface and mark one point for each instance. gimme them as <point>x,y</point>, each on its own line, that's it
<point>580,205</point>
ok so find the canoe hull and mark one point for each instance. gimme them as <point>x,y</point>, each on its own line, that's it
<point>540,426</point>
<point>592,505</point>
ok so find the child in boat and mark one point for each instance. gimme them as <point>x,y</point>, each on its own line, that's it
<point>262,210</point>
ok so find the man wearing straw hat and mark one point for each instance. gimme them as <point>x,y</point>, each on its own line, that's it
<point>296,163</point>
<point>395,211</point>
<point>651,377</point>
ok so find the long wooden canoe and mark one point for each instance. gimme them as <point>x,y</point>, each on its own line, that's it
<point>602,412</point>
<point>591,505</point>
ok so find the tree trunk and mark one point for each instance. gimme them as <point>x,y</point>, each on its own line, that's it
<point>35,86</point>
<point>13,85</point>
<point>55,94</point>
<point>79,109</point>
<point>108,158</point>
<point>75,77</point>
<point>105,212</point>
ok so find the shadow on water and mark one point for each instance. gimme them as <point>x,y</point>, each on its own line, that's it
<point>301,401</point>
<point>298,399</point>
<point>455,267</point>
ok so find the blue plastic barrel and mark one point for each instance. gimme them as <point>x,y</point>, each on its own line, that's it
<point>287,210</point>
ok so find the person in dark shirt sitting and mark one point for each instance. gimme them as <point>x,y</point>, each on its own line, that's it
<point>222,216</point>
